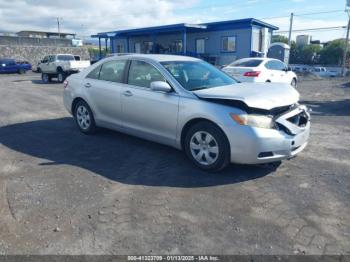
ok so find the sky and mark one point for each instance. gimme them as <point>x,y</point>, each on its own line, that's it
<point>87,17</point>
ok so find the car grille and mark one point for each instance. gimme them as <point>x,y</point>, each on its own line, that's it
<point>278,111</point>
<point>292,124</point>
<point>283,128</point>
<point>300,119</point>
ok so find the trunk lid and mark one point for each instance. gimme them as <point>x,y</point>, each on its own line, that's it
<point>79,64</point>
<point>238,71</point>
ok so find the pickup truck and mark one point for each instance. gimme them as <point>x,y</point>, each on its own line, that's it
<point>60,66</point>
<point>323,72</point>
<point>11,66</point>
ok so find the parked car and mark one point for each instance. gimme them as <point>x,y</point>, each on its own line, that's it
<point>189,104</point>
<point>11,66</point>
<point>323,72</point>
<point>60,66</point>
<point>261,70</point>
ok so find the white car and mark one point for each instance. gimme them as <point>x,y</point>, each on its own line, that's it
<point>261,70</point>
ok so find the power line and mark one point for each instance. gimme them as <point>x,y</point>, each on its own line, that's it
<point>314,29</point>
<point>324,12</point>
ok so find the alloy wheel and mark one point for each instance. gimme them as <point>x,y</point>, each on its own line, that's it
<point>204,148</point>
<point>83,117</point>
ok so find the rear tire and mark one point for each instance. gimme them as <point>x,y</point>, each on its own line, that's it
<point>84,118</point>
<point>21,71</point>
<point>46,78</point>
<point>294,83</point>
<point>207,146</point>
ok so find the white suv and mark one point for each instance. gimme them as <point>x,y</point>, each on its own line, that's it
<point>60,66</point>
<point>261,70</point>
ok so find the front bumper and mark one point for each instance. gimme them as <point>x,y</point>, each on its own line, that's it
<point>250,145</point>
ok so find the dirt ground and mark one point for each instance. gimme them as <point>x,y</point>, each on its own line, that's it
<point>62,192</point>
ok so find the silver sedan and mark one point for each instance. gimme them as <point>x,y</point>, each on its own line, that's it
<point>188,104</point>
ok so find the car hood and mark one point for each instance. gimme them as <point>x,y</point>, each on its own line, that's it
<point>257,95</point>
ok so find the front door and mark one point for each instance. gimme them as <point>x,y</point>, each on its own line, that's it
<point>147,113</point>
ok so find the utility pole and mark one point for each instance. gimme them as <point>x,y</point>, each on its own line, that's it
<point>346,49</point>
<point>347,9</point>
<point>290,29</point>
<point>58,27</point>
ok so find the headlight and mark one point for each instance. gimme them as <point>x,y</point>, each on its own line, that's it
<point>260,121</point>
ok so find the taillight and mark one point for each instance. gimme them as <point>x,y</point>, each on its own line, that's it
<point>65,83</point>
<point>252,73</point>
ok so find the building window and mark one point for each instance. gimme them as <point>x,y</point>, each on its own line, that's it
<point>137,48</point>
<point>148,47</point>
<point>178,46</point>
<point>120,48</point>
<point>229,44</point>
<point>200,46</point>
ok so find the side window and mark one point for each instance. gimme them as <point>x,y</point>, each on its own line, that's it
<point>113,71</point>
<point>94,74</point>
<point>143,74</point>
<point>269,65</point>
<point>45,60</point>
<point>51,58</point>
<point>280,66</point>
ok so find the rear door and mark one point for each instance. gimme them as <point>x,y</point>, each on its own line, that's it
<point>147,113</point>
<point>276,71</point>
<point>103,87</point>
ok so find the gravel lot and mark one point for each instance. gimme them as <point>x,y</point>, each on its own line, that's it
<point>62,192</point>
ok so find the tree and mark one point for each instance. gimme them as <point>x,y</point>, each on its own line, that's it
<point>332,53</point>
<point>279,38</point>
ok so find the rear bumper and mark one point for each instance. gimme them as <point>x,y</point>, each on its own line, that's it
<point>67,100</point>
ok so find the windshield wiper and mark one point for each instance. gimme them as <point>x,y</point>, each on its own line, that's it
<point>199,88</point>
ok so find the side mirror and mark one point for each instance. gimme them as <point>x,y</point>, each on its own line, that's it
<point>288,69</point>
<point>160,86</point>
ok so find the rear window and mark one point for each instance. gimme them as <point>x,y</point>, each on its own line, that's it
<point>247,63</point>
<point>65,58</point>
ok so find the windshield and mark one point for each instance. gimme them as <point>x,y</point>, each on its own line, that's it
<point>193,75</point>
<point>65,58</point>
<point>247,63</point>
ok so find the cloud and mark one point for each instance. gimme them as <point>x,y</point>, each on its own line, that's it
<point>87,17</point>
<point>90,16</point>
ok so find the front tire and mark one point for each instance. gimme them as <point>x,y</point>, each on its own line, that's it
<point>294,83</point>
<point>207,147</point>
<point>21,71</point>
<point>61,76</point>
<point>84,118</point>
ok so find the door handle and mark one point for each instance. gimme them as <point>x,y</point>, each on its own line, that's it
<point>87,85</point>
<point>127,93</point>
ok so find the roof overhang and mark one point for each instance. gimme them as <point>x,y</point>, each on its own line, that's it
<point>213,26</point>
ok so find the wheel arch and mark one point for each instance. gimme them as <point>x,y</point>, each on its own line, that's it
<point>194,121</point>
<point>75,101</point>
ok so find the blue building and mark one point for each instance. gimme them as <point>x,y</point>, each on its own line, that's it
<point>219,43</point>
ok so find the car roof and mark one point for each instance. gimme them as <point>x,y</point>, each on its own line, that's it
<point>159,58</point>
<point>257,58</point>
